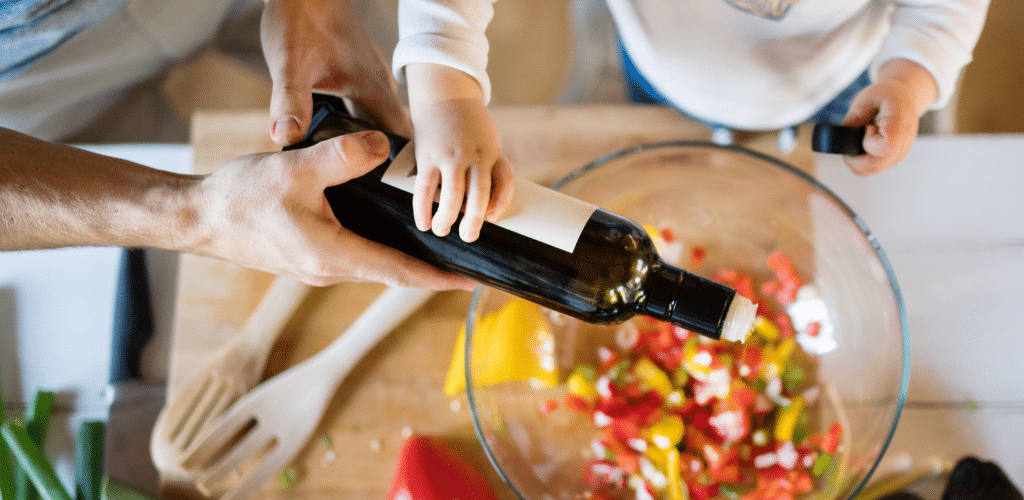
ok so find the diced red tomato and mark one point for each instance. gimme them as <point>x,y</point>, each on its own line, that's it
<point>813,329</point>
<point>578,403</point>
<point>697,255</point>
<point>831,439</point>
<point>548,407</point>
<point>789,280</point>
<point>602,474</point>
<point>703,491</point>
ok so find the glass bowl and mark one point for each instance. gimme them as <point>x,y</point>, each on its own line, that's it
<point>725,213</point>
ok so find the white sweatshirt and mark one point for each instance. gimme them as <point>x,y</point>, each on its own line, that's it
<point>729,61</point>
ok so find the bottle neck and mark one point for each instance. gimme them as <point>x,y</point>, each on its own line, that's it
<point>687,300</point>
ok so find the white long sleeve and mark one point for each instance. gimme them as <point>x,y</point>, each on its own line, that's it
<point>940,35</point>
<point>726,65</point>
<point>446,32</point>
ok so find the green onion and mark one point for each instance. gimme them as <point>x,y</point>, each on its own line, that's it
<point>89,460</point>
<point>287,477</point>
<point>116,490</point>
<point>37,427</point>
<point>6,471</point>
<point>31,460</point>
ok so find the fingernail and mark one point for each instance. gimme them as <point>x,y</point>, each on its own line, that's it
<point>376,142</point>
<point>286,128</point>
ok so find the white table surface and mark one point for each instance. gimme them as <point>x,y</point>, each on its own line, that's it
<point>950,217</point>
<point>56,318</point>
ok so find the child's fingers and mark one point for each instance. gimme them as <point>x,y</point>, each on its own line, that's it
<point>478,193</point>
<point>449,205</point>
<point>423,195</point>
<point>503,187</point>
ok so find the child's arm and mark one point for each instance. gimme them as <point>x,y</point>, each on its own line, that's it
<point>917,68</point>
<point>458,148</point>
<point>891,108</point>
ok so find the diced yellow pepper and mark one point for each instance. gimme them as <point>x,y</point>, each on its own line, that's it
<point>656,237</point>
<point>653,376</point>
<point>582,387</point>
<point>514,343</point>
<point>766,329</point>
<point>665,433</point>
<point>775,357</point>
<point>657,456</point>
<point>786,421</point>
<point>677,489</point>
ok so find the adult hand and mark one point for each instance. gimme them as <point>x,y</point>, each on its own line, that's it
<point>320,44</point>
<point>891,109</point>
<point>267,211</point>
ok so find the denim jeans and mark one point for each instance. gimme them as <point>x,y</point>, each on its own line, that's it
<point>641,91</point>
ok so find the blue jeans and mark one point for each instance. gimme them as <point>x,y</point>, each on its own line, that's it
<point>641,91</point>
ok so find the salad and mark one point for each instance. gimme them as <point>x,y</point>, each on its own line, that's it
<point>681,416</point>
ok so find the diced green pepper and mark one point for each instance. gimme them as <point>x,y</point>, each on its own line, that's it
<point>793,376</point>
<point>821,464</point>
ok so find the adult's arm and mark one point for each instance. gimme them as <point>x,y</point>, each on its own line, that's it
<point>265,211</point>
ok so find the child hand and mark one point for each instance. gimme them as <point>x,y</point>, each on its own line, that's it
<point>458,148</point>
<point>891,108</point>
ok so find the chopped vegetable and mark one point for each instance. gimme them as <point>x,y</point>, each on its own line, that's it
<point>287,477</point>
<point>548,406</point>
<point>680,417</point>
<point>89,460</point>
<point>514,343</point>
<point>37,427</point>
<point>116,490</point>
<point>30,459</point>
<point>6,469</point>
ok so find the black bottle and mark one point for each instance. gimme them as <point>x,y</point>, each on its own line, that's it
<point>612,273</point>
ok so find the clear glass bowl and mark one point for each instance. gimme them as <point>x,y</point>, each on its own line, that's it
<point>739,206</point>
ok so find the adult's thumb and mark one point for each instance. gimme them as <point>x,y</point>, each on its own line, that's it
<point>346,157</point>
<point>291,108</point>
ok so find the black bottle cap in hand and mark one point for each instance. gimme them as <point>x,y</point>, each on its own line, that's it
<point>838,139</point>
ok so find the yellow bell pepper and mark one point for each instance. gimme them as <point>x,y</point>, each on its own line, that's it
<point>654,377</point>
<point>665,433</point>
<point>677,489</point>
<point>581,386</point>
<point>513,343</point>
<point>766,329</point>
<point>786,421</point>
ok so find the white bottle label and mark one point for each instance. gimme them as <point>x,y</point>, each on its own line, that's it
<point>536,212</point>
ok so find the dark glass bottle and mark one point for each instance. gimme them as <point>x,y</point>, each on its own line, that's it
<point>612,274</point>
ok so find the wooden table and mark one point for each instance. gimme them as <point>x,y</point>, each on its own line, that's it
<point>396,388</point>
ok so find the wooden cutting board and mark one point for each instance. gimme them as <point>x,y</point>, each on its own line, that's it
<point>396,388</point>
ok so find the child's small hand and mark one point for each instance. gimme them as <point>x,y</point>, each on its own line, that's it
<point>891,109</point>
<point>458,154</point>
